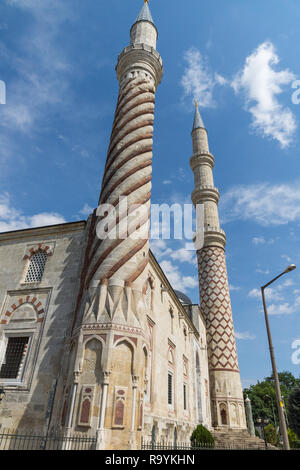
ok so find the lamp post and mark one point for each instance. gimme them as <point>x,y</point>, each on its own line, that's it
<point>274,417</point>
<point>282,422</point>
<point>262,423</point>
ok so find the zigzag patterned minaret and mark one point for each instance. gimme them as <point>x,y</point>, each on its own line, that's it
<point>226,391</point>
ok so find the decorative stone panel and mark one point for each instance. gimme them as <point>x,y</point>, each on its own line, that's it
<point>119,407</point>
<point>86,405</point>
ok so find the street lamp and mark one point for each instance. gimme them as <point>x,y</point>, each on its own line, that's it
<point>282,422</point>
<point>262,423</point>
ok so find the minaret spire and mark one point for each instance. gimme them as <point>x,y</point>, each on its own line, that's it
<point>145,13</point>
<point>198,122</point>
<point>225,384</point>
<point>144,30</point>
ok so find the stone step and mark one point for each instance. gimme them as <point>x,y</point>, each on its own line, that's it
<point>238,439</point>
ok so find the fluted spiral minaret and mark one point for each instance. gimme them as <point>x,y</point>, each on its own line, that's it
<point>226,391</point>
<point>110,327</point>
<point>119,261</point>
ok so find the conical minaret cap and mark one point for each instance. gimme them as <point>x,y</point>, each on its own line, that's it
<point>145,13</point>
<point>198,122</point>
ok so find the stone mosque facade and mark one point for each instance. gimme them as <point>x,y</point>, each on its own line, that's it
<point>93,338</point>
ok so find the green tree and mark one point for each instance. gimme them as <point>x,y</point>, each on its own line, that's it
<point>294,410</point>
<point>201,436</point>
<point>263,396</point>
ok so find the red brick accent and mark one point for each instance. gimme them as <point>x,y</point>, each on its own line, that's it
<point>22,302</point>
<point>3,322</point>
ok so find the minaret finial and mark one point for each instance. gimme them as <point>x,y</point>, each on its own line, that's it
<point>198,123</point>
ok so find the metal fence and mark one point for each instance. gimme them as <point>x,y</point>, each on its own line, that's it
<point>14,440</point>
<point>165,445</point>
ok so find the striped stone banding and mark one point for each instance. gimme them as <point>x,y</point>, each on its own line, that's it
<point>135,105</point>
<point>123,162</point>
<point>119,219</point>
<point>125,258</point>
<point>135,127</point>
<point>123,99</point>
<point>39,311</point>
<point>112,247</point>
<point>122,109</point>
<point>131,118</point>
<point>130,150</point>
<point>36,249</point>
<point>138,272</point>
<point>133,141</point>
<point>131,172</point>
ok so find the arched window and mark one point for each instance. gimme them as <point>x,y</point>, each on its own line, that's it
<point>36,267</point>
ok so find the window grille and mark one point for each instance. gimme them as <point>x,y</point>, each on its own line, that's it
<point>184,397</point>
<point>149,295</point>
<point>170,389</point>
<point>36,267</point>
<point>14,357</point>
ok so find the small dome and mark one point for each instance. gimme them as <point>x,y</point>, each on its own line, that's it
<point>184,299</point>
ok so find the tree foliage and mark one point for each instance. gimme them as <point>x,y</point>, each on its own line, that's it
<point>271,435</point>
<point>263,396</point>
<point>293,439</point>
<point>201,435</point>
<point>294,410</point>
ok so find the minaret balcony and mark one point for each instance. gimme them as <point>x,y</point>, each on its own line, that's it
<point>214,236</point>
<point>205,193</point>
<point>139,56</point>
<point>202,158</point>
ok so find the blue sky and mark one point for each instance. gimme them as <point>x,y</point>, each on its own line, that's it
<point>240,60</point>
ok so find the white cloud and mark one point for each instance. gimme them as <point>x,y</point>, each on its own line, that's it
<point>167,182</point>
<point>261,84</point>
<point>234,288</point>
<point>184,256</point>
<point>175,277</point>
<point>270,294</point>
<point>41,70</point>
<point>261,271</point>
<point>264,203</point>
<point>198,80</point>
<point>13,219</point>
<point>258,241</point>
<point>287,258</point>
<point>244,336</point>
<point>86,210</point>
<point>277,301</point>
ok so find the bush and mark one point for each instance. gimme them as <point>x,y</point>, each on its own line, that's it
<point>271,435</point>
<point>200,436</point>
<point>293,439</point>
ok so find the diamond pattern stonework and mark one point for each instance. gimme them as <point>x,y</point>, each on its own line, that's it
<point>216,308</point>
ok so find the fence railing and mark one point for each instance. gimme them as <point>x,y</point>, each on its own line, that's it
<point>165,445</point>
<point>14,440</point>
